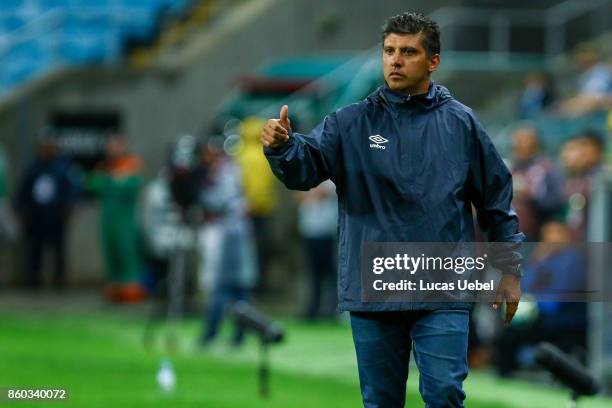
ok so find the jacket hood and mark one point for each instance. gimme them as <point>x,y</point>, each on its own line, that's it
<point>436,95</point>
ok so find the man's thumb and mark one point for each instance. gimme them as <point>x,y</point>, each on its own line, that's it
<point>284,117</point>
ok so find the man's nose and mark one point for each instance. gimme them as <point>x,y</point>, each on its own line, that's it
<point>396,60</point>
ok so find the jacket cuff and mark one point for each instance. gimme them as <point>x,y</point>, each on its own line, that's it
<point>514,271</point>
<point>280,150</point>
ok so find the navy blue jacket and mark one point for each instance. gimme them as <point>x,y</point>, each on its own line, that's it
<point>46,195</point>
<point>406,169</point>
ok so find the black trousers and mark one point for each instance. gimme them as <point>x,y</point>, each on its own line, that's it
<point>38,243</point>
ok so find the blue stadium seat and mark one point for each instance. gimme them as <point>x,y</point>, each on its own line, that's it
<point>84,49</point>
<point>92,31</point>
<point>23,62</point>
<point>10,23</point>
<point>139,27</point>
<point>49,4</point>
<point>152,5</point>
<point>98,4</point>
<point>12,4</point>
<point>15,73</point>
<point>85,39</point>
<point>176,6</point>
<point>24,71</point>
<point>30,51</point>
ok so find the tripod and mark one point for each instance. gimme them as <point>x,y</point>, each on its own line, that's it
<point>170,302</point>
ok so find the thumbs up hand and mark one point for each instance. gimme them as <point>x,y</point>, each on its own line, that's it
<point>276,131</point>
<point>284,118</point>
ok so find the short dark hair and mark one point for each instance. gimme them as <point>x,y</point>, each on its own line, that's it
<point>415,23</point>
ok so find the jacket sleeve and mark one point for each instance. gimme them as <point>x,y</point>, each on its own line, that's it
<point>307,160</point>
<point>490,191</point>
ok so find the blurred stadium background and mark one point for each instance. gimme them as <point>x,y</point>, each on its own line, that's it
<point>185,83</point>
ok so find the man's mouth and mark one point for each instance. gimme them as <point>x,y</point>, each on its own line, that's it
<point>396,74</point>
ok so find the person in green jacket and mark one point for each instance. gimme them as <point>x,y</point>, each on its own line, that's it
<point>116,184</point>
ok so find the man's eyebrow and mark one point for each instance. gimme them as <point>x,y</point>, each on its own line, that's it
<point>409,48</point>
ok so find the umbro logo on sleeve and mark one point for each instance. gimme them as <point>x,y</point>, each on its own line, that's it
<point>378,141</point>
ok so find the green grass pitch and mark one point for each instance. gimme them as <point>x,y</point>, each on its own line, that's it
<point>99,357</point>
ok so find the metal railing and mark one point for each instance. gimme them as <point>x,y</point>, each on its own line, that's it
<point>499,23</point>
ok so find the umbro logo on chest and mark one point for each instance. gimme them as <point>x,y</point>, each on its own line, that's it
<point>379,141</point>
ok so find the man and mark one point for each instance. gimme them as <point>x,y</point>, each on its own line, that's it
<point>261,194</point>
<point>537,96</point>
<point>227,238</point>
<point>555,266</point>
<point>317,215</point>
<point>538,186</point>
<point>117,183</point>
<point>582,160</point>
<point>44,202</point>
<point>408,162</point>
<point>594,85</point>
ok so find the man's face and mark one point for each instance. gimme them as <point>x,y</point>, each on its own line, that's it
<point>572,156</point>
<point>525,144</point>
<point>406,65</point>
<point>591,152</point>
<point>555,232</point>
<point>585,59</point>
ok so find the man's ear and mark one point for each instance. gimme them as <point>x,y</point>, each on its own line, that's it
<point>434,61</point>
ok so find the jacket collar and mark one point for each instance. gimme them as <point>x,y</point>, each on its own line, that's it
<point>435,96</point>
<point>400,98</point>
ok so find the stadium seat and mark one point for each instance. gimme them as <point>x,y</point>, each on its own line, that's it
<point>27,60</point>
<point>12,4</point>
<point>10,23</point>
<point>176,6</point>
<point>98,4</point>
<point>25,51</point>
<point>91,31</point>
<point>50,4</point>
<point>86,40</point>
<point>153,5</point>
